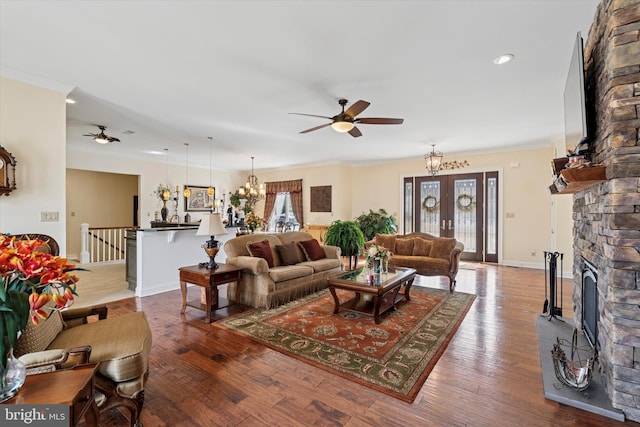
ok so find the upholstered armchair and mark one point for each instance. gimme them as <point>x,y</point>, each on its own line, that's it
<point>120,344</point>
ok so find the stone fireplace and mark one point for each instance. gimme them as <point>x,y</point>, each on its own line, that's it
<point>607,215</point>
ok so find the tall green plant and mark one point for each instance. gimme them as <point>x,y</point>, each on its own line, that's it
<point>347,236</point>
<point>379,222</point>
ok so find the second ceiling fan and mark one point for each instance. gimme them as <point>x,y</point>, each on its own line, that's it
<point>346,120</point>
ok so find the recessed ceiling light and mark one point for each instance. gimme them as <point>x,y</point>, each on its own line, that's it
<point>503,59</point>
<point>70,101</point>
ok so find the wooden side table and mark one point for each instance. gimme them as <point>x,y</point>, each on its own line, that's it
<point>73,387</point>
<point>210,280</point>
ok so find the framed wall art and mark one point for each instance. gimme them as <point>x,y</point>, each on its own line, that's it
<point>321,198</point>
<point>198,200</point>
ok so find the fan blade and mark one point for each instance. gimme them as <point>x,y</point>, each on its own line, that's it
<point>91,134</point>
<point>316,128</point>
<point>311,115</point>
<point>112,139</point>
<point>379,121</point>
<point>355,132</point>
<point>357,108</point>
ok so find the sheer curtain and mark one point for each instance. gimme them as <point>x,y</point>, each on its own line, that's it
<point>294,188</point>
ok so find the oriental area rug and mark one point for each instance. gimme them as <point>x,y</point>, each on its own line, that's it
<point>394,357</point>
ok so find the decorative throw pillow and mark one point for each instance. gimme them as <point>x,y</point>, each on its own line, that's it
<point>288,253</point>
<point>261,250</point>
<point>38,337</point>
<point>312,249</point>
<point>404,247</point>
<point>442,247</point>
<point>387,241</point>
<point>421,247</point>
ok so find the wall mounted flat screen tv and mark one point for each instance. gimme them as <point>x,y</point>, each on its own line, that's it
<point>575,115</point>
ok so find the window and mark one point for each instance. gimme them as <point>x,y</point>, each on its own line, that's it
<point>282,217</point>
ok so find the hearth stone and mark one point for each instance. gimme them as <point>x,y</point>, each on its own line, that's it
<point>594,399</point>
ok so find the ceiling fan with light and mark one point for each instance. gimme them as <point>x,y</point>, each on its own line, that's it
<point>346,120</point>
<point>102,138</point>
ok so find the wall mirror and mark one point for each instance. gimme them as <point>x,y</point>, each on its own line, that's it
<point>7,172</point>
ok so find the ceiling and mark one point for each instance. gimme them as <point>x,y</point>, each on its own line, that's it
<point>177,72</point>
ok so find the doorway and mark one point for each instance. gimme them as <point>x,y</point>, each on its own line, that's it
<point>462,206</point>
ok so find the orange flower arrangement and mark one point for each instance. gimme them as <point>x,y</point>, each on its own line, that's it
<point>30,279</point>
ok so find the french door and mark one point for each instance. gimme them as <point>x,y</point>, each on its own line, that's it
<point>463,206</point>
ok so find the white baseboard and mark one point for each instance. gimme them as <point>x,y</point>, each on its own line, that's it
<point>535,265</point>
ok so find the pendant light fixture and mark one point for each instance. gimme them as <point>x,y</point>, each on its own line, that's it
<point>211,192</point>
<point>253,189</point>
<point>166,195</point>
<point>434,164</point>
<point>187,192</point>
<point>433,160</point>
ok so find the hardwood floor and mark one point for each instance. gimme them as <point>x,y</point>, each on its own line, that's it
<point>488,376</point>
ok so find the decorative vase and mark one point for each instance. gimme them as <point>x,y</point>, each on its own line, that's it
<point>164,212</point>
<point>12,377</point>
<point>377,266</point>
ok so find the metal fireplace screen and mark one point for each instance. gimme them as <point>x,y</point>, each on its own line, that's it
<point>590,303</point>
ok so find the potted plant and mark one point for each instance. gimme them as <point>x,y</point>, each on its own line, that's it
<point>30,279</point>
<point>348,237</point>
<point>379,222</point>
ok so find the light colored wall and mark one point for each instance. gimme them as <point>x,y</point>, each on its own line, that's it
<point>33,129</point>
<point>100,199</point>
<point>339,177</point>
<point>523,178</point>
<point>151,173</point>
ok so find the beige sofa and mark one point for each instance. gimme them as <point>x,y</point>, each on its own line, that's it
<point>292,273</point>
<point>429,255</point>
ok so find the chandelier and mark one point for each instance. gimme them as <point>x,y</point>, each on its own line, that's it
<point>434,164</point>
<point>252,188</point>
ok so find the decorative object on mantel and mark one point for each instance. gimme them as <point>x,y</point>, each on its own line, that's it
<point>434,164</point>
<point>30,280</point>
<point>211,225</point>
<point>7,172</point>
<point>577,371</point>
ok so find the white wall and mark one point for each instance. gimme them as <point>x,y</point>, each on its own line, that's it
<point>531,227</point>
<point>33,129</point>
<point>151,174</point>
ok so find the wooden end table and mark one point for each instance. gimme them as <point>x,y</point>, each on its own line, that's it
<point>73,387</point>
<point>209,280</point>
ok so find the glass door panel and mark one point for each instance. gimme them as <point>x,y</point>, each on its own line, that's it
<point>428,208</point>
<point>454,206</point>
<point>466,213</point>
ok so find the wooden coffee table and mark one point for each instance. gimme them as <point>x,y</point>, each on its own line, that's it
<point>387,290</point>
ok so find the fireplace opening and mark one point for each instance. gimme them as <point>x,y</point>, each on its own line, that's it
<point>590,312</point>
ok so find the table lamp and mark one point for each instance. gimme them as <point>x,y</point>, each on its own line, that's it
<point>211,225</point>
